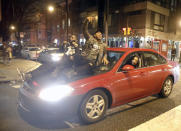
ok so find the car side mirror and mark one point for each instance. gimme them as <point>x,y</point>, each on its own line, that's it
<point>127,68</point>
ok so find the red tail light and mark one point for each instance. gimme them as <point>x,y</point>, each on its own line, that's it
<point>35,84</point>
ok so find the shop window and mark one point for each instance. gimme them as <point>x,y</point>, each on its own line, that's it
<point>164,47</point>
<point>156,45</point>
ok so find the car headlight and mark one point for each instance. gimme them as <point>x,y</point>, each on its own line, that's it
<point>55,93</point>
<point>56,57</point>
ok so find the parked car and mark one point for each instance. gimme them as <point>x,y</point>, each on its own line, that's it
<point>53,55</point>
<point>91,95</point>
<point>30,52</point>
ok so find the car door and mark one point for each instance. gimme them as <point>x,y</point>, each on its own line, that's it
<point>131,84</point>
<point>154,64</point>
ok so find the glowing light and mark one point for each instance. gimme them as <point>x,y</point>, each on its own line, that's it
<point>56,57</point>
<point>12,27</point>
<point>55,93</point>
<point>50,8</point>
<point>180,23</point>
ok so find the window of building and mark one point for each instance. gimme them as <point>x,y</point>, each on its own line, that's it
<point>136,13</point>
<point>157,21</point>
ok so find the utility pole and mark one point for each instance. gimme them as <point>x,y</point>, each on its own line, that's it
<point>106,15</point>
<point>67,18</point>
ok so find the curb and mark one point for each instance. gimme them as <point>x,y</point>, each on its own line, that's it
<point>7,81</point>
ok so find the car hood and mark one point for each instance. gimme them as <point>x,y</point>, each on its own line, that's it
<point>47,74</point>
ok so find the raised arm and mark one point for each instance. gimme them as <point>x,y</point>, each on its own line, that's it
<point>85,29</point>
<point>86,33</point>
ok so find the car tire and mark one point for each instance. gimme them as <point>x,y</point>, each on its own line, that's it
<point>93,107</point>
<point>166,87</point>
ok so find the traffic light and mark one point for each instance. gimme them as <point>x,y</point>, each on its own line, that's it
<point>129,30</point>
<point>124,31</point>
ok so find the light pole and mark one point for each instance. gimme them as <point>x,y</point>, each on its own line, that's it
<point>106,14</point>
<point>67,18</point>
<point>51,9</point>
<point>12,29</point>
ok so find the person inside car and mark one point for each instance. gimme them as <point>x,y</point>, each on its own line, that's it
<point>134,61</point>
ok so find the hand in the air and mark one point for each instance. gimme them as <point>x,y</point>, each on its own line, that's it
<point>105,61</point>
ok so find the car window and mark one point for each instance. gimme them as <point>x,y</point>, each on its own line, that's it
<point>153,59</point>
<point>34,49</point>
<point>128,60</point>
<point>162,60</point>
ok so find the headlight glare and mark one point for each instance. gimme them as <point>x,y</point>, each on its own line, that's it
<point>55,93</point>
<point>56,57</point>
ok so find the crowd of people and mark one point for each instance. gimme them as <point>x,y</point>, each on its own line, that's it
<point>92,54</point>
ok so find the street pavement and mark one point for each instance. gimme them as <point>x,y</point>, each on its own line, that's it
<point>148,114</point>
<point>9,71</point>
<point>170,120</point>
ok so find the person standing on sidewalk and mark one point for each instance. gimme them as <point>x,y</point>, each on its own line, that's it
<point>5,54</point>
<point>173,53</point>
<point>9,52</point>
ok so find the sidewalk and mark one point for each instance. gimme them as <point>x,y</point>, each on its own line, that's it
<point>9,72</point>
<point>169,121</point>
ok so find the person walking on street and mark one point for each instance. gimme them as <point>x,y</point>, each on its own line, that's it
<point>173,54</point>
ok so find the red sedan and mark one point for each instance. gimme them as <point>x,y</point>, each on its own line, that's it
<point>131,74</point>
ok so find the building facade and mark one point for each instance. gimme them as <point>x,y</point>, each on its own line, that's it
<point>145,24</point>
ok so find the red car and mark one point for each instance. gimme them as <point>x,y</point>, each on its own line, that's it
<point>130,75</point>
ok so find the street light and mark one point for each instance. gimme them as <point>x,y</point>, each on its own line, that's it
<point>51,8</point>
<point>12,27</point>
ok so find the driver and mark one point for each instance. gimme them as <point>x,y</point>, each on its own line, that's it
<point>134,61</point>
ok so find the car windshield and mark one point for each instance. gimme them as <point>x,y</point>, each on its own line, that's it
<point>67,71</point>
<point>80,71</point>
<point>112,57</point>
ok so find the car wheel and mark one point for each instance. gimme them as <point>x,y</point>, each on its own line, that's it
<point>166,87</point>
<point>94,106</point>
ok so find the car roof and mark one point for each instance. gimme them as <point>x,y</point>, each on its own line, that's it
<point>130,49</point>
